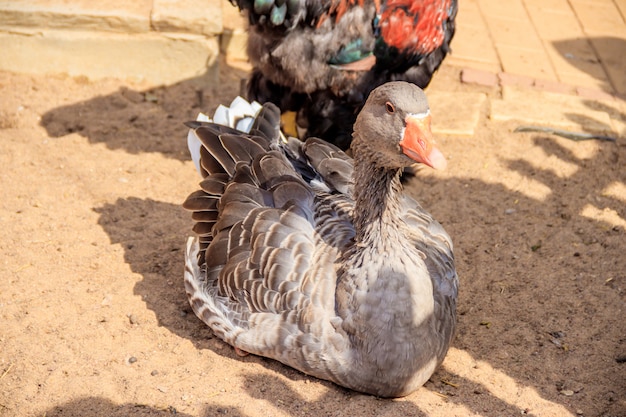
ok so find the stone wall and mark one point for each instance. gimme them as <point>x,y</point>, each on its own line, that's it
<point>155,41</point>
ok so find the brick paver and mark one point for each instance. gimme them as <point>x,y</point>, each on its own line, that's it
<point>621,5</point>
<point>598,17</point>
<point>577,42</point>
<point>612,53</point>
<point>473,46</point>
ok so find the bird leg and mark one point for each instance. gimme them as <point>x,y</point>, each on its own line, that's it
<point>240,352</point>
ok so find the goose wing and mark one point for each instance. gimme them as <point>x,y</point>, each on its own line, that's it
<point>253,271</point>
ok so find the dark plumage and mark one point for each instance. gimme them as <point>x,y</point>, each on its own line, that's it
<point>321,58</point>
<point>318,260</point>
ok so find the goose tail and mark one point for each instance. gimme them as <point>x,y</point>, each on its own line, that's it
<point>239,115</point>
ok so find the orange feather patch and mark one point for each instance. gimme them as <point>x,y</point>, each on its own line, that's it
<point>414,25</point>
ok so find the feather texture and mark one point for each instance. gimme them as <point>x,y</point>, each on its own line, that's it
<point>319,261</point>
<point>322,58</point>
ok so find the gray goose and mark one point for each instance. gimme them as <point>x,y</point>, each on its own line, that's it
<point>320,261</point>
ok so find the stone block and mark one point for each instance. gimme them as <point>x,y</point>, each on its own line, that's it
<point>190,16</point>
<point>158,59</point>
<point>100,15</point>
<point>234,44</point>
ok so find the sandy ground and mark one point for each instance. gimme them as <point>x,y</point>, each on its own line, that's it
<point>95,322</point>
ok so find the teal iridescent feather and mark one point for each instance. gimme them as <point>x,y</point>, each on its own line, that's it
<point>277,17</point>
<point>352,52</point>
<point>263,6</point>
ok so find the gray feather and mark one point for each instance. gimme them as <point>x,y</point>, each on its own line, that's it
<point>318,261</point>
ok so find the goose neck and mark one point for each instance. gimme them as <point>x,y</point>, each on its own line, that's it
<point>377,193</point>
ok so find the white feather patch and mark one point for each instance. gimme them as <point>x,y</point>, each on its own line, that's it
<point>239,115</point>
<point>194,145</point>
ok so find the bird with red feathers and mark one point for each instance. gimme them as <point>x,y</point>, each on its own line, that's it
<point>322,58</point>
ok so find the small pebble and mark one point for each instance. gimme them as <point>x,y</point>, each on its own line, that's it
<point>132,359</point>
<point>567,392</point>
<point>509,211</point>
<point>133,319</point>
<point>106,301</point>
<point>154,373</point>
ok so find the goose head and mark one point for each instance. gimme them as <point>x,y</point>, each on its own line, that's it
<point>393,128</point>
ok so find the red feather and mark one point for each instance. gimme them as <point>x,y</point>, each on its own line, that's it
<point>415,25</point>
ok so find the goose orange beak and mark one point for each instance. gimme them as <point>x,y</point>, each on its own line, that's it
<point>418,143</point>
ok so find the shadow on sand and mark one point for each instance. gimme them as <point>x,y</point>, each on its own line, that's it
<point>580,54</point>
<point>143,121</point>
<point>494,260</point>
<point>581,253</point>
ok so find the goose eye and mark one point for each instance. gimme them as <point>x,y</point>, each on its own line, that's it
<point>390,107</point>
